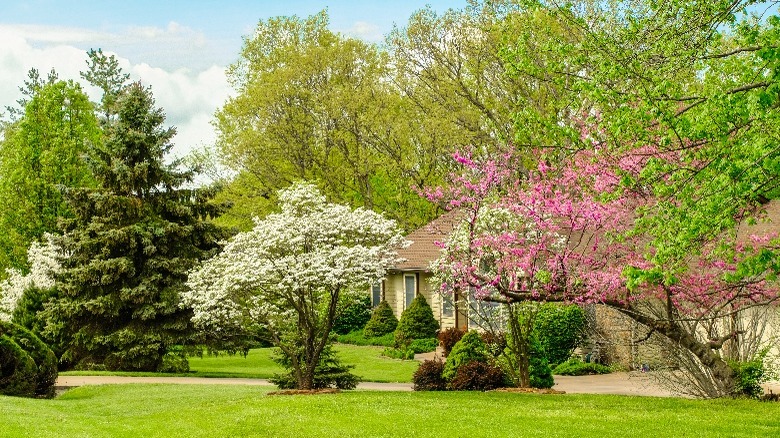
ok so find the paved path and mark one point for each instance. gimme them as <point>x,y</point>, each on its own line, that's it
<point>633,383</point>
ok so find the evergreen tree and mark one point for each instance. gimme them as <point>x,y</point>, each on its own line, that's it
<point>131,244</point>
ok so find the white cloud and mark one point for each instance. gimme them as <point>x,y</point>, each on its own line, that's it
<point>365,30</point>
<point>189,94</point>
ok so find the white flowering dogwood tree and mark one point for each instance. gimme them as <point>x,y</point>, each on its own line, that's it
<point>288,272</point>
<point>44,260</point>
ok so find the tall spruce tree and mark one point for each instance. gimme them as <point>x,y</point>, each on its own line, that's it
<point>131,244</point>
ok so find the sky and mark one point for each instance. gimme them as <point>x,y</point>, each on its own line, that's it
<point>180,48</point>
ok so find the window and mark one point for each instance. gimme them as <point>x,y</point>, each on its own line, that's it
<point>447,307</point>
<point>410,288</point>
<point>376,294</point>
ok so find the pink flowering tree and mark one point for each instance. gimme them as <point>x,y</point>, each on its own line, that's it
<point>567,233</point>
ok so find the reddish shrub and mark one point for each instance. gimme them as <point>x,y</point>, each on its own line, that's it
<point>477,376</point>
<point>428,376</point>
<point>448,338</point>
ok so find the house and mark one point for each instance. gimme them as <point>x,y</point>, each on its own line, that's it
<point>413,276</point>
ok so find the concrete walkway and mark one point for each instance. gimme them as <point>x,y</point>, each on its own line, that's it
<point>633,383</point>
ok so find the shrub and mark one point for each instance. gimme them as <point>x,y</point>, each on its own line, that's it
<point>494,342</point>
<point>559,329</point>
<point>173,362</point>
<point>398,353</point>
<point>748,376</point>
<point>330,372</point>
<point>417,346</point>
<point>477,376</point>
<point>428,376</point>
<point>576,367</point>
<point>449,337</point>
<point>17,369</point>
<point>358,338</point>
<point>469,348</point>
<point>540,371</point>
<point>44,359</point>
<point>382,322</point>
<point>353,316</point>
<point>417,322</point>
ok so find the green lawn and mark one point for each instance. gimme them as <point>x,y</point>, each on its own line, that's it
<point>210,411</point>
<point>368,361</point>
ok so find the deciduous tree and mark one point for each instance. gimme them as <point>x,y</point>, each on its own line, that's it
<point>288,273</point>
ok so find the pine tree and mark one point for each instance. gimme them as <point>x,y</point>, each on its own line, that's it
<point>131,244</point>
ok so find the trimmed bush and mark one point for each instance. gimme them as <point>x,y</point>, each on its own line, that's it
<point>428,376</point>
<point>407,352</point>
<point>559,328</point>
<point>417,322</point>
<point>17,369</point>
<point>477,376</point>
<point>469,348</point>
<point>44,359</point>
<point>539,370</point>
<point>353,316</point>
<point>449,337</point>
<point>576,367</point>
<point>358,338</point>
<point>329,373</point>
<point>382,322</point>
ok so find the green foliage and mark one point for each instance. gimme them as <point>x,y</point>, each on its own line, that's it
<point>40,153</point>
<point>329,372</point>
<point>428,376</point>
<point>539,370</point>
<point>347,128</point>
<point>382,322</point>
<point>174,362</point>
<point>358,338</point>
<point>448,338</point>
<point>353,316</point>
<point>748,376</point>
<point>17,369</point>
<point>416,346</point>
<point>559,328</point>
<point>26,312</point>
<point>477,376</point>
<point>131,242</point>
<point>45,371</point>
<point>417,322</point>
<point>469,348</point>
<point>576,367</point>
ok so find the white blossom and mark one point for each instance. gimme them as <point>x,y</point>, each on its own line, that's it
<point>44,260</point>
<point>311,248</point>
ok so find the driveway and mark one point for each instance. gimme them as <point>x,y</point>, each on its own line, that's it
<point>633,383</point>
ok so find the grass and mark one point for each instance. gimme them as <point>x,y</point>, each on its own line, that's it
<point>207,411</point>
<point>368,361</point>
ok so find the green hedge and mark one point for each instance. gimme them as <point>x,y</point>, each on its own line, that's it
<point>21,345</point>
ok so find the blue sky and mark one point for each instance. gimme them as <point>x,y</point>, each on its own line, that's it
<point>181,48</point>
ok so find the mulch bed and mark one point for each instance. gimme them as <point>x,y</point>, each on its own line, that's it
<point>531,390</point>
<point>306,391</point>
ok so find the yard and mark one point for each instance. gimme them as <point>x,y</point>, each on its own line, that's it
<point>206,410</point>
<point>368,361</point>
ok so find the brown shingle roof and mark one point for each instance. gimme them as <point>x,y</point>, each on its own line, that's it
<point>423,249</point>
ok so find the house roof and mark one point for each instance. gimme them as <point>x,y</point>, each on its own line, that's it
<point>423,249</point>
